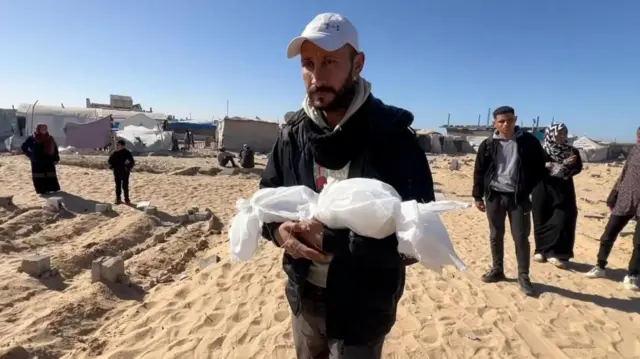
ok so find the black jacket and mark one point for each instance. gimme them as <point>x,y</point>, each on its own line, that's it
<point>366,276</point>
<point>531,166</point>
<point>118,159</point>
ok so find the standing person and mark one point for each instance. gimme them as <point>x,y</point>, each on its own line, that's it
<point>555,210</point>
<point>509,164</point>
<point>624,203</point>
<point>42,150</point>
<point>343,289</point>
<point>121,162</point>
<point>247,157</point>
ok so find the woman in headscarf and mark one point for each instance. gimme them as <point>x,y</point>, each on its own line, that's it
<point>624,203</point>
<point>554,206</point>
<point>42,150</point>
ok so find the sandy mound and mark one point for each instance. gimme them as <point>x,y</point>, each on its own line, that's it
<point>186,300</point>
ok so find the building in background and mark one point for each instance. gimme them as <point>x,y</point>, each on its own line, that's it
<point>118,102</point>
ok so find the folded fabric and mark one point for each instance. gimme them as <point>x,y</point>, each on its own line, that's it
<point>368,207</point>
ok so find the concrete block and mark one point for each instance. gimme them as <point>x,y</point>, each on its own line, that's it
<point>108,269</point>
<point>55,203</point>
<point>103,207</point>
<point>454,165</point>
<point>36,265</point>
<point>150,210</point>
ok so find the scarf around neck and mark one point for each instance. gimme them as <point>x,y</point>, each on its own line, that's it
<point>335,148</point>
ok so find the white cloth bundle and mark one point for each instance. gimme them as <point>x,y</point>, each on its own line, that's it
<point>367,207</point>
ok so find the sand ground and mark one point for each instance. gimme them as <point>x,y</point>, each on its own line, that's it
<point>204,309</point>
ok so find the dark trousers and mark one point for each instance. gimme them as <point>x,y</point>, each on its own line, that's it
<point>611,232</point>
<point>122,184</point>
<point>499,206</point>
<point>310,333</point>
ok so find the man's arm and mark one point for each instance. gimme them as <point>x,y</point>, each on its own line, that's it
<point>479,173</point>
<point>132,162</point>
<point>272,178</point>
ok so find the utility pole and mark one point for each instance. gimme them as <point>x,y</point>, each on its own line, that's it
<point>227,108</point>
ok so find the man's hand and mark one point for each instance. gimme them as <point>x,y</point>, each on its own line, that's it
<point>286,238</point>
<point>480,206</point>
<point>312,233</point>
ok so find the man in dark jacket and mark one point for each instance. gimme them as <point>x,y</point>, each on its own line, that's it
<point>343,289</point>
<point>508,166</point>
<point>121,162</point>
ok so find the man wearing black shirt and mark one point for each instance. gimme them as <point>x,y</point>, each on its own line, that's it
<point>121,162</point>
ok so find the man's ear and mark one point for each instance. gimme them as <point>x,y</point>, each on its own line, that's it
<point>358,64</point>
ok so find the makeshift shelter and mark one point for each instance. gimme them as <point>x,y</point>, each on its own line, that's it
<point>590,150</point>
<point>140,120</point>
<point>57,118</point>
<point>90,135</point>
<point>233,132</point>
<point>140,139</point>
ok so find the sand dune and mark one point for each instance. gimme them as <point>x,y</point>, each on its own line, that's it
<point>184,304</point>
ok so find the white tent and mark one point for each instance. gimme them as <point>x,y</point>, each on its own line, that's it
<point>141,139</point>
<point>590,150</point>
<point>140,119</point>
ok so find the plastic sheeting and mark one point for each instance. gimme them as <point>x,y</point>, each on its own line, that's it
<point>142,139</point>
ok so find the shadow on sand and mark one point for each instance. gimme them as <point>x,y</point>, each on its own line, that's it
<point>131,291</point>
<point>56,283</point>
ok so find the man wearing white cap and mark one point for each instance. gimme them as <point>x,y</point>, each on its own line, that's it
<point>343,289</point>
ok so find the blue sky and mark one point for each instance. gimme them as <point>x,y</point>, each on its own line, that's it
<point>573,60</point>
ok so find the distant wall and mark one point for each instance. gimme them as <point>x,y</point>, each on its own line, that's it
<point>259,135</point>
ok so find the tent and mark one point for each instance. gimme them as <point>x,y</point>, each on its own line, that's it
<point>57,118</point>
<point>140,119</point>
<point>233,132</point>
<point>590,150</point>
<point>8,126</point>
<point>96,134</point>
<point>141,139</point>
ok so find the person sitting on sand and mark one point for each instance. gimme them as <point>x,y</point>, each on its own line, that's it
<point>42,150</point>
<point>225,158</point>
<point>343,289</point>
<point>247,157</point>
<point>509,164</point>
<point>624,203</point>
<point>121,162</point>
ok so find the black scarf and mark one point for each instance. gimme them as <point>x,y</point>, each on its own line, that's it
<point>336,149</point>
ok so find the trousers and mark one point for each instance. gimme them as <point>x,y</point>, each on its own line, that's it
<point>310,335</point>
<point>499,206</point>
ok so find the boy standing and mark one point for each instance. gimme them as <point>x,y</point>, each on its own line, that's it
<point>508,165</point>
<point>121,162</point>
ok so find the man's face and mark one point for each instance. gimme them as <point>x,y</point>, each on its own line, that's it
<point>119,147</point>
<point>329,76</point>
<point>505,124</point>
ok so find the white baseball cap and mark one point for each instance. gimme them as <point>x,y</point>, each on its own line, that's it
<point>329,31</point>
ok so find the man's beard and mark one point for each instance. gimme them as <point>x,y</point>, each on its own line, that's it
<point>341,98</point>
